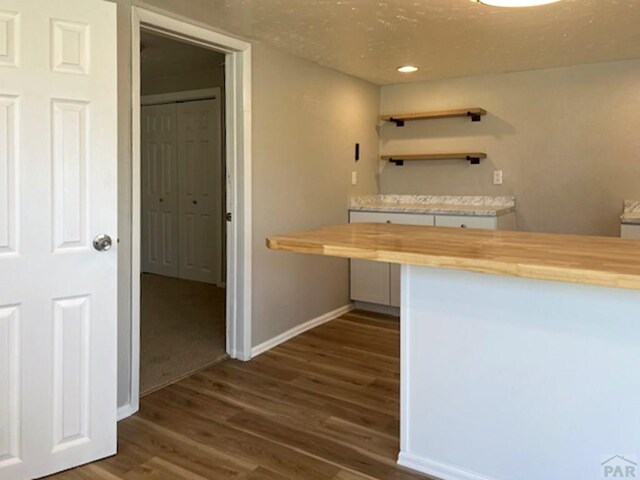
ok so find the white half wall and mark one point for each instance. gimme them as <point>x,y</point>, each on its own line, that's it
<point>509,378</point>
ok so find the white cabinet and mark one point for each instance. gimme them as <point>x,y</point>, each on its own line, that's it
<point>379,283</point>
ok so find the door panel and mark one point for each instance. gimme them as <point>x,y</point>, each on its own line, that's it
<point>10,369</point>
<point>58,183</point>
<point>71,317</point>
<point>70,182</point>
<point>160,190</point>
<point>9,40</point>
<point>8,173</point>
<point>201,194</point>
<point>70,47</point>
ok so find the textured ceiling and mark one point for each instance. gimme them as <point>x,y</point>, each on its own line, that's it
<point>446,38</point>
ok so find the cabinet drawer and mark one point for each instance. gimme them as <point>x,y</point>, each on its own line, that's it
<point>401,218</point>
<point>488,223</point>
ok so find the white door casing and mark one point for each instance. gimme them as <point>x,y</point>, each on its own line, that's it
<point>159,189</point>
<point>57,192</point>
<point>238,154</point>
<point>200,190</point>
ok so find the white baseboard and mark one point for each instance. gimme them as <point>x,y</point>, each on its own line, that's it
<point>238,355</point>
<point>126,411</point>
<point>437,469</point>
<point>295,331</point>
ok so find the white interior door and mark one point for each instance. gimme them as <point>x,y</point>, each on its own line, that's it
<point>201,194</point>
<point>57,192</point>
<point>160,189</point>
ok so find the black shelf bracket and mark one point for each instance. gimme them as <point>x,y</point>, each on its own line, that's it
<point>474,117</point>
<point>473,160</point>
<point>396,161</point>
<point>399,123</point>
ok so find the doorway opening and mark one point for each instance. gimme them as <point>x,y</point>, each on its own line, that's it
<point>183,278</point>
<point>236,262</point>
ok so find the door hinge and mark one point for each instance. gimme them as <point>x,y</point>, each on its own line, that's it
<point>228,216</point>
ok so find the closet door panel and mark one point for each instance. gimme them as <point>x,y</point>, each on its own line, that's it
<point>160,190</point>
<point>201,195</point>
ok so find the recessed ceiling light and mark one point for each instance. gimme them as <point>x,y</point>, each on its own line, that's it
<point>516,3</point>
<point>408,69</point>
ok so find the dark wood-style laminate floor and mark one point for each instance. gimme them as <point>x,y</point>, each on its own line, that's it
<point>323,406</point>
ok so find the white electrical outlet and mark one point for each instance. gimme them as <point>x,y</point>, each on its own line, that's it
<point>354,178</point>
<point>497,177</point>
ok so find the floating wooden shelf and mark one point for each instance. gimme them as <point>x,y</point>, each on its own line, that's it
<point>473,157</point>
<point>399,119</point>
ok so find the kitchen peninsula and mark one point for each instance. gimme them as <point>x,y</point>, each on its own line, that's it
<point>376,285</point>
<point>519,351</point>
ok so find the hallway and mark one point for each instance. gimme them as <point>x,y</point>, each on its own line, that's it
<point>182,329</point>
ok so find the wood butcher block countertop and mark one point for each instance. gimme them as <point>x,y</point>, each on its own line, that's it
<point>603,261</point>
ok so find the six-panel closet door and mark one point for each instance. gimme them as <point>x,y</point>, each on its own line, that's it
<point>182,201</point>
<point>160,190</point>
<point>200,180</point>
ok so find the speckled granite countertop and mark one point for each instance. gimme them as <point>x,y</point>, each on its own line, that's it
<point>631,213</point>
<point>435,204</point>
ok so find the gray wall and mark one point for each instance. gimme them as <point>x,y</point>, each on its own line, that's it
<point>169,65</point>
<point>566,139</point>
<point>306,120</point>
<point>191,80</point>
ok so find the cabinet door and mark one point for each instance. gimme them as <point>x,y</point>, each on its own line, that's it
<point>394,269</point>
<point>369,280</point>
<point>377,282</point>
<point>488,223</point>
<point>630,231</point>
<point>394,285</point>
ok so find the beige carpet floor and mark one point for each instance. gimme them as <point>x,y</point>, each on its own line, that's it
<point>182,329</point>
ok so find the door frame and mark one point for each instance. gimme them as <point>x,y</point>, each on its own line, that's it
<point>238,151</point>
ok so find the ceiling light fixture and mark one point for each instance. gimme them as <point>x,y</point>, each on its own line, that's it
<point>516,3</point>
<point>408,69</point>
